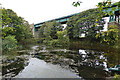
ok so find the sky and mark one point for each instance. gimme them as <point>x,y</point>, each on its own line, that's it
<point>36,11</point>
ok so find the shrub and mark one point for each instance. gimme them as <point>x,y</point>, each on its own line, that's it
<point>116,77</point>
<point>9,43</point>
<point>111,37</point>
<point>63,38</point>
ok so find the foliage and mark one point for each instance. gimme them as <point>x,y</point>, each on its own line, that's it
<point>48,31</point>
<point>41,35</point>
<point>10,18</point>
<point>51,29</point>
<point>13,25</point>
<point>76,3</point>
<point>0,29</point>
<point>63,38</point>
<point>116,77</point>
<point>7,31</point>
<point>111,37</point>
<point>23,33</point>
<point>62,41</point>
<point>52,33</point>
<point>103,7</point>
<point>83,23</point>
<point>9,43</point>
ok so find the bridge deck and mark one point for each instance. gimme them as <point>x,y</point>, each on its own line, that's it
<point>61,20</point>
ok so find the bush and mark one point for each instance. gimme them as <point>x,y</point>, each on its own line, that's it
<point>9,43</point>
<point>110,37</point>
<point>116,77</point>
<point>63,38</point>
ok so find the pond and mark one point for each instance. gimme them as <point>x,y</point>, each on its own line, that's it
<point>48,62</point>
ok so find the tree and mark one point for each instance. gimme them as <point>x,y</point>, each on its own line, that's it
<point>13,25</point>
<point>56,27</point>
<point>49,30</point>
<point>23,32</point>
<point>52,33</point>
<point>7,31</point>
<point>110,37</point>
<point>10,18</point>
<point>83,23</point>
<point>41,35</point>
<point>103,7</point>
<point>63,39</point>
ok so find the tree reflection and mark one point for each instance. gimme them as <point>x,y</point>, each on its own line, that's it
<point>113,58</point>
<point>92,64</point>
<point>12,67</point>
<point>85,63</point>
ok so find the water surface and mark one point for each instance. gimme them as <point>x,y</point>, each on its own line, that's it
<point>47,62</point>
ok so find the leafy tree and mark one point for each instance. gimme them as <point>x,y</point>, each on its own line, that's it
<point>103,7</point>
<point>7,31</point>
<point>110,37</point>
<point>41,35</point>
<point>0,29</point>
<point>48,31</point>
<point>52,33</point>
<point>62,41</point>
<point>15,25</point>
<point>63,38</point>
<point>23,32</point>
<point>10,18</point>
<point>56,27</point>
<point>83,23</point>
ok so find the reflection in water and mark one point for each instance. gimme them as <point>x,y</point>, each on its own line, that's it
<point>92,64</point>
<point>85,63</point>
<point>113,58</point>
<point>82,62</point>
<point>40,69</point>
<point>12,67</point>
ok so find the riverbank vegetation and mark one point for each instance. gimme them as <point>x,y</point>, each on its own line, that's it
<point>16,32</point>
<point>110,37</point>
<point>84,28</point>
<point>84,31</point>
<point>52,33</point>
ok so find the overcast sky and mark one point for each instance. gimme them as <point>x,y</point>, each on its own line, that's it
<point>36,11</point>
